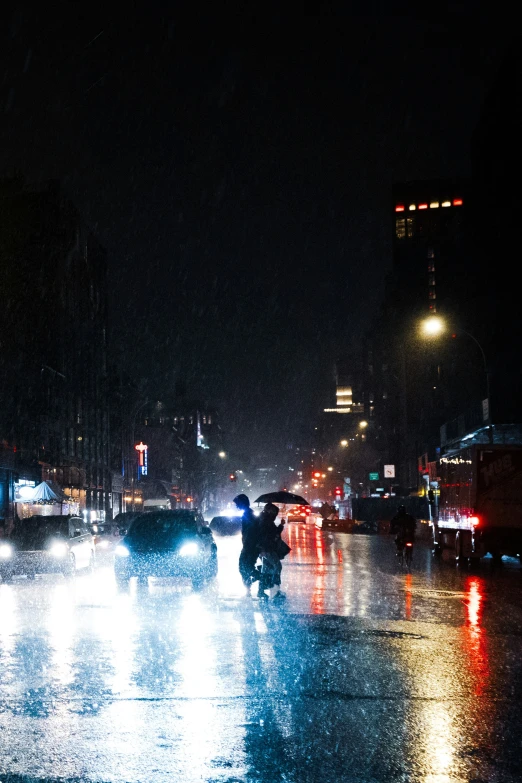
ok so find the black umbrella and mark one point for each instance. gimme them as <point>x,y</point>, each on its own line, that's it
<point>282,497</point>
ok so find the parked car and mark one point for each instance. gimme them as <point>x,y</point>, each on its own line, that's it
<point>226,526</point>
<point>167,544</point>
<point>47,544</point>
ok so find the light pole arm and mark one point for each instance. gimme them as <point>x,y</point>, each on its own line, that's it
<point>487,372</point>
<point>481,349</point>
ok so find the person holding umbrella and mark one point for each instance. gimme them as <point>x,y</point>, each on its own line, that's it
<point>250,537</point>
<point>272,549</point>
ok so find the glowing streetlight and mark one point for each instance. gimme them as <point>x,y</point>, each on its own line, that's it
<point>330,469</point>
<point>222,454</point>
<point>433,326</point>
<point>344,443</point>
<point>363,424</point>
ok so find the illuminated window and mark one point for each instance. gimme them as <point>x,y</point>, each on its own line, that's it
<point>204,419</point>
<point>431,267</point>
<point>434,204</point>
<point>400,229</point>
<point>209,419</point>
<point>385,395</point>
<point>410,226</point>
<point>399,208</point>
<point>412,207</point>
<point>457,202</point>
<point>432,294</point>
<point>431,252</point>
<point>446,204</point>
<point>431,279</point>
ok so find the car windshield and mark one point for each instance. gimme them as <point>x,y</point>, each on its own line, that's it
<point>34,533</point>
<point>157,530</point>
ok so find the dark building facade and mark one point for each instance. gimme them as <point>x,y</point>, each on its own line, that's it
<point>496,173</point>
<point>418,383</point>
<point>54,422</point>
<point>184,441</point>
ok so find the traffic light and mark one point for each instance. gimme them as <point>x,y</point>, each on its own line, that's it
<point>233,477</point>
<point>338,492</point>
<point>317,474</point>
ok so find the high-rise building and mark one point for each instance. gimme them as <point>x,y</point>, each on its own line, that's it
<point>430,247</point>
<point>54,422</point>
<point>416,384</point>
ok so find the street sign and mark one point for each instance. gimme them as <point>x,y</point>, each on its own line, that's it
<point>373,476</point>
<point>389,471</point>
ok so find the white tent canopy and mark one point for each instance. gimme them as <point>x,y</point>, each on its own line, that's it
<point>46,492</point>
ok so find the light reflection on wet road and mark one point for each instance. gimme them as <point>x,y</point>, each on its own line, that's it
<point>366,673</point>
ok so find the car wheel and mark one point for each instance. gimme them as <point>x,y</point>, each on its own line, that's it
<point>122,581</point>
<point>69,568</point>
<point>198,582</point>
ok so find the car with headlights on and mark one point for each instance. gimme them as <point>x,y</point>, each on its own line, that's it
<point>167,544</point>
<point>46,544</point>
<point>107,535</point>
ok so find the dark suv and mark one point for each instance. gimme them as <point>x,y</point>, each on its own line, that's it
<point>41,544</point>
<point>168,544</point>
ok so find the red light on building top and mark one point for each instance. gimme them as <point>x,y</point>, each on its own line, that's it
<point>457,202</point>
<point>399,208</point>
<point>423,206</point>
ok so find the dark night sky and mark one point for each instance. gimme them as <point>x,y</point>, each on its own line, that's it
<point>239,172</point>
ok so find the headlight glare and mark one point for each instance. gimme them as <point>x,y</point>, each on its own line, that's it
<point>189,550</point>
<point>121,551</point>
<point>58,549</point>
<point>6,551</point>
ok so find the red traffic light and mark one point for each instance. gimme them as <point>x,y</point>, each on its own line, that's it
<point>338,491</point>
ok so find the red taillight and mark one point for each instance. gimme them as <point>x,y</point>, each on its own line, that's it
<point>475,521</point>
<point>408,543</point>
<point>399,208</point>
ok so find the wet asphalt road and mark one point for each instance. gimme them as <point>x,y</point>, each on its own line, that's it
<point>366,673</point>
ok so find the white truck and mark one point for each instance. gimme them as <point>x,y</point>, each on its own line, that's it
<point>479,508</point>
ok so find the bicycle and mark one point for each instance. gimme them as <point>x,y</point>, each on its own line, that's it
<point>405,553</point>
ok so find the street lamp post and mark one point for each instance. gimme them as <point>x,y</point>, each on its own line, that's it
<point>433,327</point>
